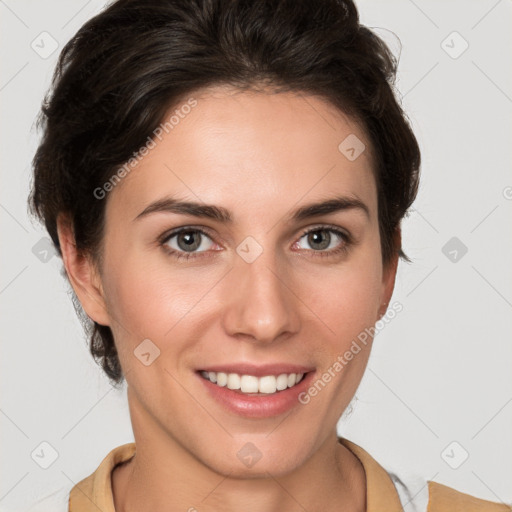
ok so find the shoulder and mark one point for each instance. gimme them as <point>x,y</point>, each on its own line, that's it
<point>446,499</point>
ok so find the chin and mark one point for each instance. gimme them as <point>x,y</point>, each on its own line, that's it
<point>253,456</point>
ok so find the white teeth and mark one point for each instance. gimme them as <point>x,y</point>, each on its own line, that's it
<point>222,379</point>
<point>282,382</point>
<point>234,381</point>
<point>268,384</point>
<point>249,384</point>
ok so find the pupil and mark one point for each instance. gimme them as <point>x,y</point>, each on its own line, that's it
<point>188,238</point>
<point>316,238</point>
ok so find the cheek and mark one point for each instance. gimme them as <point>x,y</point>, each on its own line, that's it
<point>150,297</point>
<point>348,301</point>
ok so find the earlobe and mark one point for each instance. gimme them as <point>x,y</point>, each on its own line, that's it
<point>82,273</point>
<point>383,310</point>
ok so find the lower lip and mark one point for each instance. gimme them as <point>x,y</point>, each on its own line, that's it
<point>261,405</point>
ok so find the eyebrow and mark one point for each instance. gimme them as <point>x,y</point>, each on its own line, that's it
<point>220,214</point>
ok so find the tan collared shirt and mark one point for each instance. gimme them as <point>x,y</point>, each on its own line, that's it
<point>95,492</point>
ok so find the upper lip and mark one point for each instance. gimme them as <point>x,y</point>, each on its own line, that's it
<point>258,370</point>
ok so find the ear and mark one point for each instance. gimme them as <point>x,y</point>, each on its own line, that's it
<point>389,275</point>
<point>82,273</point>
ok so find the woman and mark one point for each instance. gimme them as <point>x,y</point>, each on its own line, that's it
<point>225,181</point>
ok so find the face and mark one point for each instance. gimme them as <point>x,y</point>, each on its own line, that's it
<point>248,287</point>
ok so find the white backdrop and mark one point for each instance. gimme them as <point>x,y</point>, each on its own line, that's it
<point>437,396</point>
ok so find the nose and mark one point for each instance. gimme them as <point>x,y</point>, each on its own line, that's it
<point>261,304</point>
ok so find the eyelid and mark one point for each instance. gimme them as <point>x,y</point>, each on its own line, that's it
<point>327,227</point>
<point>164,237</point>
<point>209,232</point>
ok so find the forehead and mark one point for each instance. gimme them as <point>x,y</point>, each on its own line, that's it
<point>230,147</point>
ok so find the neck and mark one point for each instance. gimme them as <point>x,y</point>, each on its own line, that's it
<point>163,475</point>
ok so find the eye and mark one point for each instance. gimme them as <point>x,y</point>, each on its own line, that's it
<point>185,242</point>
<point>188,242</point>
<point>321,240</point>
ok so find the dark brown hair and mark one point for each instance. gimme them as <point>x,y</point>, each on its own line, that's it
<point>116,79</point>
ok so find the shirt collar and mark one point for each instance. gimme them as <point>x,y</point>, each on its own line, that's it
<point>381,493</point>
<point>95,492</point>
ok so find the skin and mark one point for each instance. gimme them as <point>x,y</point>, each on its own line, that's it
<point>260,155</point>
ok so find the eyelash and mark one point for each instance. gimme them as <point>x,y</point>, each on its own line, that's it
<point>343,249</point>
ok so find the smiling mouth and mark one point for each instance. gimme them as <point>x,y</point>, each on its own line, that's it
<point>252,385</point>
